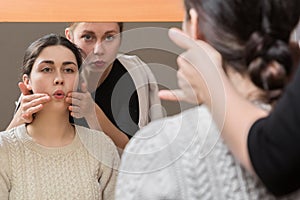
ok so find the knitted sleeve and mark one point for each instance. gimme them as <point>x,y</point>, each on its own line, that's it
<point>273,143</point>
<point>109,169</point>
<point>109,177</point>
<point>102,148</point>
<point>4,170</point>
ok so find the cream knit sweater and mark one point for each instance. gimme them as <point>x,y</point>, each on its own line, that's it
<point>147,88</point>
<point>183,157</point>
<point>84,169</point>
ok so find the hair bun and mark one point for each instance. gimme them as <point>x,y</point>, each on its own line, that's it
<point>269,61</point>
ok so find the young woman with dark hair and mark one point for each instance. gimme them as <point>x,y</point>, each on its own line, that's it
<point>50,158</point>
<point>266,146</point>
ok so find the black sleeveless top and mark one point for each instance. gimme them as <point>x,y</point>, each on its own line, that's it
<point>118,99</point>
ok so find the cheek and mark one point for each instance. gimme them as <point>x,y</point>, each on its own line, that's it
<point>186,27</point>
<point>73,83</point>
<point>113,50</point>
<point>39,85</point>
<point>85,48</point>
<point>183,25</point>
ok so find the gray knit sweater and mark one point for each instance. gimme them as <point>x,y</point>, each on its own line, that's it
<point>184,157</point>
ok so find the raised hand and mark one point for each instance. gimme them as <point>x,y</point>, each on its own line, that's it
<point>82,103</point>
<point>198,66</point>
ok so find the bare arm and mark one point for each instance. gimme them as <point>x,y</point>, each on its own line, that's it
<point>118,137</point>
<point>83,105</point>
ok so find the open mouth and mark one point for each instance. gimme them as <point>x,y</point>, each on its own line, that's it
<point>59,94</point>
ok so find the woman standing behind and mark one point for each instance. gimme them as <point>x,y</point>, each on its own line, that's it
<point>126,92</point>
<point>50,158</point>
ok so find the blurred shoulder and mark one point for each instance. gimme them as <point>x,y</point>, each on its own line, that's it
<point>13,135</point>
<point>184,126</point>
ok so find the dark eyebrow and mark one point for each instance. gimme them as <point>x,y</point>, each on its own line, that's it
<point>52,62</point>
<point>111,31</point>
<point>93,33</point>
<point>47,61</point>
<point>88,32</point>
<point>69,63</point>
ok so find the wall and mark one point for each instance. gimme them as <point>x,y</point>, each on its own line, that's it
<point>91,10</point>
<point>147,40</point>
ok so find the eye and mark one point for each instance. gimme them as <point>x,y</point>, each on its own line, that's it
<point>46,69</point>
<point>109,37</point>
<point>69,70</point>
<point>87,37</point>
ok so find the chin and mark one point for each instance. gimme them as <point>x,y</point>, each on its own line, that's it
<point>61,105</point>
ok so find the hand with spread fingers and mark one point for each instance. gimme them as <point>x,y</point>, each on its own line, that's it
<point>195,70</point>
<point>29,104</point>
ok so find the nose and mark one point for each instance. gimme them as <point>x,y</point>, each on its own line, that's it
<point>58,80</point>
<point>98,48</point>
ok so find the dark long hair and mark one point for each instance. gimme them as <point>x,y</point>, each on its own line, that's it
<point>252,36</point>
<point>34,50</point>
